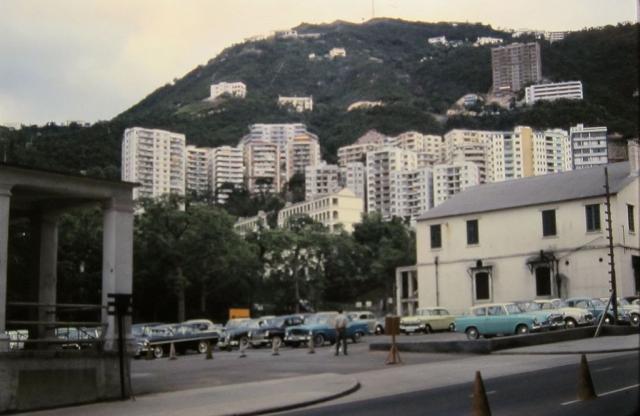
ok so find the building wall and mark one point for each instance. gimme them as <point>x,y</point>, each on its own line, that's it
<point>571,90</point>
<point>508,238</point>
<point>514,66</point>
<point>262,164</point>
<point>235,89</point>
<point>451,178</point>
<point>197,164</point>
<point>226,167</point>
<point>354,177</point>
<point>411,192</point>
<point>380,164</point>
<point>320,180</point>
<point>589,146</point>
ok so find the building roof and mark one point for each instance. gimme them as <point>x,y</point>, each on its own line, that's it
<point>534,190</point>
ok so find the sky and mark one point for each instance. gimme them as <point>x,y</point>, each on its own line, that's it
<point>92,59</point>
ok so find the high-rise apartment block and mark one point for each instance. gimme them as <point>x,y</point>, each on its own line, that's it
<point>197,165</point>
<point>302,151</point>
<point>589,146</point>
<point>411,192</point>
<point>234,89</point>
<point>354,177</point>
<point>570,90</point>
<point>226,171</point>
<point>357,152</point>
<point>321,179</point>
<point>156,159</point>
<point>451,178</point>
<point>429,147</point>
<point>262,166</point>
<point>514,66</point>
<point>380,164</point>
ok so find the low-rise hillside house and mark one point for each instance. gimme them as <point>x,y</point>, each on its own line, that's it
<point>535,237</point>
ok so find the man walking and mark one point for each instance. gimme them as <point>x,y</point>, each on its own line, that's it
<point>341,330</point>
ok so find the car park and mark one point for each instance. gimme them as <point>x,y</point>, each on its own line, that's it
<point>158,339</point>
<point>427,320</point>
<point>321,328</point>
<point>573,317</point>
<point>497,319</point>
<point>78,338</point>
<point>273,329</point>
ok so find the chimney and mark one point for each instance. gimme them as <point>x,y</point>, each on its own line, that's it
<point>634,157</point>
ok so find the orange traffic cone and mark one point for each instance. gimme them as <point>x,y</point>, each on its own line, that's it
<point>585,383</point>
<point>479,402</point>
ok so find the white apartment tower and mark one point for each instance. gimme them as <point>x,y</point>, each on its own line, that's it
<point>156,160</point>
<point>380,164</point>
<point>226,171</point>
<point>234,89</point>
<point>452,178</point>
<point>589,146</point>
<point>197,173</point>
<point>356,152</point>
<point>429,147</point>
<point>301,151</point>
<point>262,166</point>
<point>354,177</point>
<point>570,90</point>
<point>321,179</point>
<point>411,192</point>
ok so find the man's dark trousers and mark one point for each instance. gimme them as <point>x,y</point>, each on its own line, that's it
<point>342,336</point>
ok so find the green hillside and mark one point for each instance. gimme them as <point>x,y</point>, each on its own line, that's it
<point>388,60</point>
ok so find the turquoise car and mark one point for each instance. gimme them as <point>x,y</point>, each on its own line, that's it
<point>321,327</point>
<point>497,319</point>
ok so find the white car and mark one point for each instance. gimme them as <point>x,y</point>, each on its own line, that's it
<point>364,316</point>
<point>573,317</point>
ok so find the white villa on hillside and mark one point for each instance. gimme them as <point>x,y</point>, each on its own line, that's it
<point>535,237</point>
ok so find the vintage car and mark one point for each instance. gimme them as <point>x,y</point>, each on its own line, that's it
<point>628,308</point>
<point>573,317</point>
<point>236,332</point>
<point>17,338</point>
<point>548,317</point>
<point>597,307</point>
<point>321,328</point>
<point>364,316</point>
<point>204,325</point>
<point>272,329</point>
<point>427,320</point>
<point>78,338</point>
<point>380,325</point>
<point>158,339</point>
<point>497,319</point>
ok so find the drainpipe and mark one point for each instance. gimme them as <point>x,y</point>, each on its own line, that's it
<point>437,283</point>
<point>558,282</point>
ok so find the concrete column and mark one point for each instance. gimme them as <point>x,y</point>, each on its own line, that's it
<point>117,261</point>
<point>5,202</point>
<point>411,303</point>
<point>48,275</point>
<point>398,292</point>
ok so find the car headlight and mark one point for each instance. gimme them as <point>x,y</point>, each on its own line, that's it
<point>535,321</point>
<point>421,326</point>
<point>266,333</point>
<point>249,334</point>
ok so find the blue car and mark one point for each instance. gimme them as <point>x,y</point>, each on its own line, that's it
<point>597,307</point>
<point>320,327</point>
<point>497,319</point>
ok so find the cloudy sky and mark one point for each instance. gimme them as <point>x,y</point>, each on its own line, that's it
<point>92,59</point>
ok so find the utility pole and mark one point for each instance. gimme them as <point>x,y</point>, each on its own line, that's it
<point>612,267</point>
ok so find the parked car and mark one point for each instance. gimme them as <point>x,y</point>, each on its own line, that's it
<point>427,320</point>
<point>630,309</point>
<point>236,331</point>
<point>497,319</point>
<point>364,316</point>
<point>78,337</point>
<point>321,327</point>
<point>572,316</point>
<point>549,317</point>
<point>159,338</point>
<point>17,338</point>
<point>140,333</point>
<point>272,329</point>
<point>380,326</point>
<point>204,325</point>
<point>597,307</point>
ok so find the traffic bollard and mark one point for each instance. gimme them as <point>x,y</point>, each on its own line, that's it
<point>209,355</point>
<point>242,346</point>
<point>312,347</point>
<point>172,352</point>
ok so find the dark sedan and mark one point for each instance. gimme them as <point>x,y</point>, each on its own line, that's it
<point>273,329</point>
<point>158,339</point>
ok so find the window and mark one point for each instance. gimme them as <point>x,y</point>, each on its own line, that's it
<point>592,214</point>
<point>482,286</point>
<point>436,236</point>
<point>548,222</point>
<point>480,311</point>
<point>631,219</point>
<point>472,232</point>
<point>495,310</point>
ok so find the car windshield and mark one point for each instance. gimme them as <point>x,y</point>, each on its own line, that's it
<point>597,303</point>
<point>425,312</point>
<point>320,319</point>
<point>558,303</point>
<point>273,322</point>
<point>512,308</point>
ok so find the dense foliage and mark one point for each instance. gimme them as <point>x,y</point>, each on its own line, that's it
<point>387,60</point>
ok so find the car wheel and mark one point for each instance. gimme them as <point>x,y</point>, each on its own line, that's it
<point>427,329</point>
<point>522,329</point>
<point>158,351</point>
<point>570,323</point>
<point>356,337</point>
<point>243,341</point>
<point>318,340</point>
<point>608,320</point>
<point>452,327</point>
<point>379,330</point>
<point>202,347</point>
<point>472,333</point>
<point>635,319</point>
